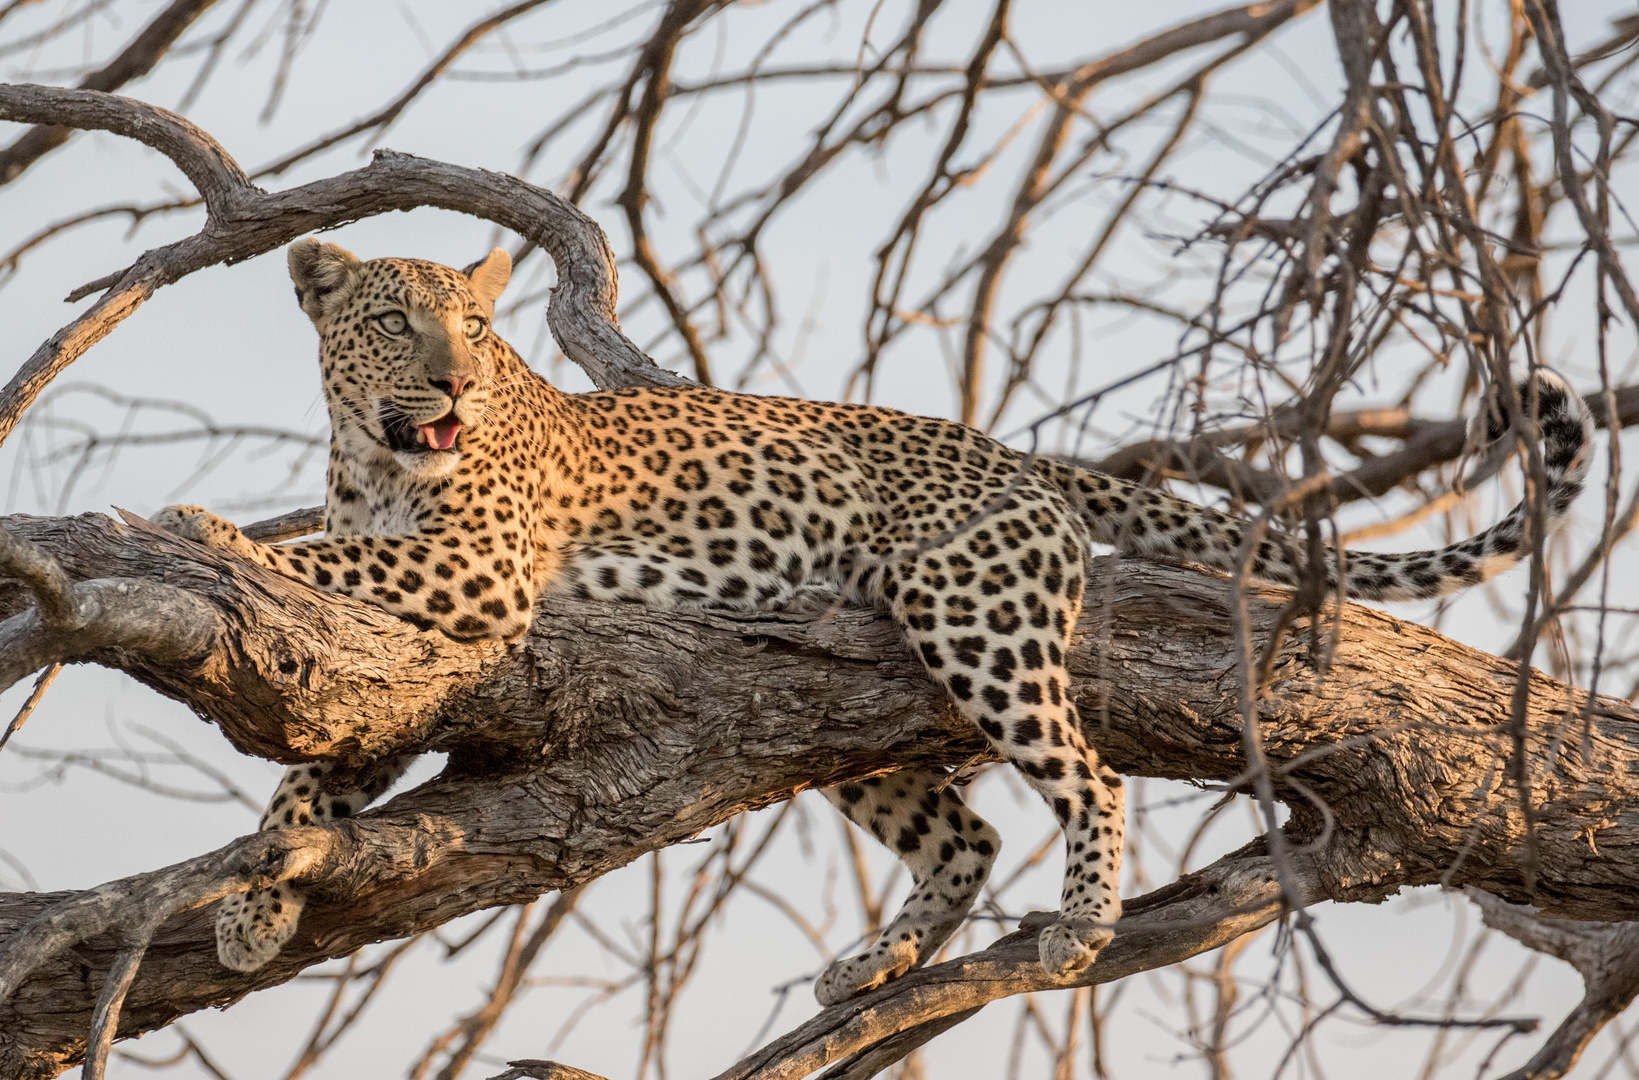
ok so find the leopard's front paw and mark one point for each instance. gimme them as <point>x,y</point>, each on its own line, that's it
<point>890,957</point>
<point>199,525</point>
<point>907,943</point>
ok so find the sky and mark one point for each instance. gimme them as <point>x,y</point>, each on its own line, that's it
<point>231,343</point>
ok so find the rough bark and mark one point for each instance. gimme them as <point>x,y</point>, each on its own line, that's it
<point>612,731</point>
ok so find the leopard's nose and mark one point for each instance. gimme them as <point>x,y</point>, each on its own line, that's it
<point>454,385</point>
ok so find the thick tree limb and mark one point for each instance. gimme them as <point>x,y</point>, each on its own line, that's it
<point>613,731</point>
<point>148,618</point>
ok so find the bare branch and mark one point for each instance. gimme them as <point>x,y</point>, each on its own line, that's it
<point>1252,21</point>
<point>244,222</point>
<point>105,1017</point>
<point>383,118</point>
<point>654,66</point>
<point>535,1069</point>
<point>1427,444</point>
<point>136,60</point>
<point>304,522</point>
<point>1606,955</point>
<point>42,683</point>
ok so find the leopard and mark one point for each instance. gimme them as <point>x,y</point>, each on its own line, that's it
<point>463,488</point>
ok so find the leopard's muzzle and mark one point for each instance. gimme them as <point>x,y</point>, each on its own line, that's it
<point>405,436</point>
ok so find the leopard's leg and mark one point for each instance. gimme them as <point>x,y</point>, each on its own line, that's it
<point>468,584</point>
<point>252,927</point>
<point>947,848</point>
<point>990,615</point>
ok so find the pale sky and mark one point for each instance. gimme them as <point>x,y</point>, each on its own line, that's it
<point>232,342</point>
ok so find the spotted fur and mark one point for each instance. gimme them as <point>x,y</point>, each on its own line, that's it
<point>463,486</point>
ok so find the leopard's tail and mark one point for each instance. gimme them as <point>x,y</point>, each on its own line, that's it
<point>1141,521</point>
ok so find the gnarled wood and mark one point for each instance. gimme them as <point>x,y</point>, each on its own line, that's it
<point>613,730</point>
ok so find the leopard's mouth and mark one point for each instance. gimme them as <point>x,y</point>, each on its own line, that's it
<point>405,436</point>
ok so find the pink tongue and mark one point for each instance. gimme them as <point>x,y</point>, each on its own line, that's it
<point>441,433</point>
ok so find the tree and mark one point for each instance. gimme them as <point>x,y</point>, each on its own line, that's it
<point>1408,233</point>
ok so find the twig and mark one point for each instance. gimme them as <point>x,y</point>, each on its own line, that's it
<point>105,1017</point>
<point>45,679</point>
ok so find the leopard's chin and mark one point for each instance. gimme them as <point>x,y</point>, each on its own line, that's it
<point>427,464</point>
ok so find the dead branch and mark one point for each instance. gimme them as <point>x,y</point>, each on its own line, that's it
<point>134,61</point>
<point>383,118</point>
<point>303,522</point>
<point>244,221</point>
<point>1199,912</point>
<point>1606,955</point>
<point>1427,444</point>
<point>654,68</point>
<point>536,1069</point>
<point>473,1029</point>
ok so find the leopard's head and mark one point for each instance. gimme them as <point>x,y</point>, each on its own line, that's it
<point>409,359</point>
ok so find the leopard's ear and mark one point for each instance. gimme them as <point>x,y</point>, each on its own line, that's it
<point>325,275</point>
<point>489,276</point>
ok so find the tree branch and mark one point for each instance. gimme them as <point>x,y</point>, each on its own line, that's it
<point>134,61</point>
<point>1605,955</point>
<point>1427,443</point>
<point>245,222</point>
<point>614,731</point>
<point>1199,912</point>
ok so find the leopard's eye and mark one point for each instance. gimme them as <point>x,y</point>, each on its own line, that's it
<point>474,327</point>
<point>393,322</point>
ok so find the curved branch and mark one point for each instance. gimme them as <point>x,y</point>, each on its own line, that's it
<point>133,62</point>
<point>1200,912</point>
<point>246,221</point>
<point>1606,955</point>
<point>207,166</point>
